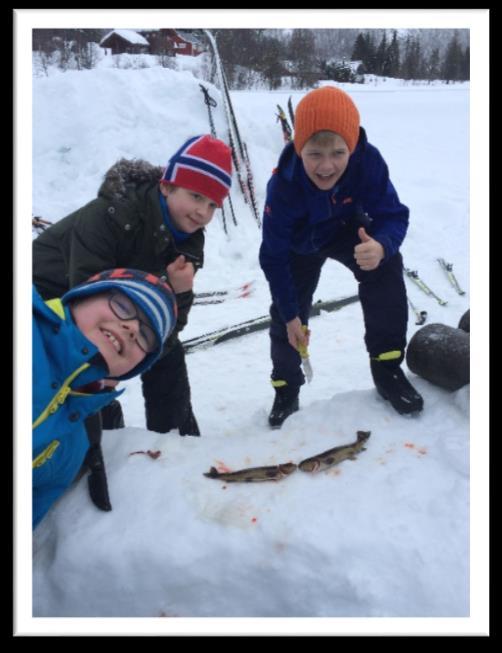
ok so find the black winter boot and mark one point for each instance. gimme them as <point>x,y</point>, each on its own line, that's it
<point>392,384</point>
<point>189,425</point>
<point>94,462</point>
<point>285,403</point>
<point>98,486</point>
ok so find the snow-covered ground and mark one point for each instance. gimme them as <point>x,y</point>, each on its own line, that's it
<point>384,536</point>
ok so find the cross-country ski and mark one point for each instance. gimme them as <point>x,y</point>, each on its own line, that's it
<point>413,275</point>
<point>448,268</point>
<point>257,324</point>
<point>221,296</point>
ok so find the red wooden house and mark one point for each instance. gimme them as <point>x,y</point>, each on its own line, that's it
<point>152,41</point>
<point>172,41</point>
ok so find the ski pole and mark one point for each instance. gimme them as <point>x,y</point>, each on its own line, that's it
<point>420,315</point>
<point>211,102</point>
<point>286,129</point>
<point>291,112</point>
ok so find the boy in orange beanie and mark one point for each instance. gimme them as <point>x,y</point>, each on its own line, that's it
<point>331,197</point>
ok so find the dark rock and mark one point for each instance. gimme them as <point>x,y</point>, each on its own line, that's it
<point>440,354</point>
<point>465,322</point>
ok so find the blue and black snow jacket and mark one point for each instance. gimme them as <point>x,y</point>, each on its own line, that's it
<point>301,218</point>
<point>64,361</point>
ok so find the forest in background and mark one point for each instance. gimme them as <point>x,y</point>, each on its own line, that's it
<point>301,56</point>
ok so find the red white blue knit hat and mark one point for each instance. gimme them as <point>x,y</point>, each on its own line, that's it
<point>150,293</point>
<point>203,164</point>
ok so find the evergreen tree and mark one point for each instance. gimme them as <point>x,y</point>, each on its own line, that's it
<point>466,68</point>
<point>406,64</point>
<point>381,56</point>
<point>359,51</point>
<point>270,65</point>
<point>370,61</point>
<point>433,69</point>
<point>391,68</point>
<point>418,58</point>
<point>454,60</point>
<point>413,65</point>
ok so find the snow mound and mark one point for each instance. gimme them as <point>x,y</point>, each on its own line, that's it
<point>365,538</point>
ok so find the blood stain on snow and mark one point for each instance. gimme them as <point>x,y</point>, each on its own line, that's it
<point>222,468</point>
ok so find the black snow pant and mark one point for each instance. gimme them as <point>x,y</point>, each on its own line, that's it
<point>166,391</point>
<point>112,416</point>
<point>383,299</point>
<point>94,462</point>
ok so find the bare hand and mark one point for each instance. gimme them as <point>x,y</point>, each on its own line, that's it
<point>297,336</point>
<point>110,383</point>
<point>180,274</point>
<point>369,252</point>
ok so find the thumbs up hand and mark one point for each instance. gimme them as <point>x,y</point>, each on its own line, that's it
<point>369,252</point>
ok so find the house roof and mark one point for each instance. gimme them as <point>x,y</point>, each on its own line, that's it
<point>128,35</point>
<point>188,37</point>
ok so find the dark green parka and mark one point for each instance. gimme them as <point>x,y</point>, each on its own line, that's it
<point>122,227</point>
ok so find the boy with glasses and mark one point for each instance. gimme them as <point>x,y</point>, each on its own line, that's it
<point>113,326</point>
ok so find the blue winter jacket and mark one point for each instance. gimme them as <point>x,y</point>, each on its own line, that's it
<point>301,218</point>
<point>63,361</point>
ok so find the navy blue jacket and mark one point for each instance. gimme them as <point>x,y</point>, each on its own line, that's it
<point>301,218</point>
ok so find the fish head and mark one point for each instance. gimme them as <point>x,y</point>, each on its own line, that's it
<point>287,468</point>
<point>310,465</point>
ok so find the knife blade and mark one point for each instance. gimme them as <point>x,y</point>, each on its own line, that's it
<point>304,354</point>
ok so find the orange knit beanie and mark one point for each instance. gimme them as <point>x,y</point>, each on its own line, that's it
<point>326,108</point>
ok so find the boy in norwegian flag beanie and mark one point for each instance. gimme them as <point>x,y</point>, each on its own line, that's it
<point>150,218</point>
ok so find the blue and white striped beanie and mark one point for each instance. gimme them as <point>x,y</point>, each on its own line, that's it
<point>150,293</point>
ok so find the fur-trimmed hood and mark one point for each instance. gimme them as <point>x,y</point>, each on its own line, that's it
<point>128,173</point>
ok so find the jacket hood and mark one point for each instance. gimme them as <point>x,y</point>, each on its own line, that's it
<point>71,342</point>
<point>127,173</point>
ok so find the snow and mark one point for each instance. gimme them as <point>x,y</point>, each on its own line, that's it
<point>384,536</point>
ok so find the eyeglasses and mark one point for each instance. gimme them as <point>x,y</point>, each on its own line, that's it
<point>125,309</point>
